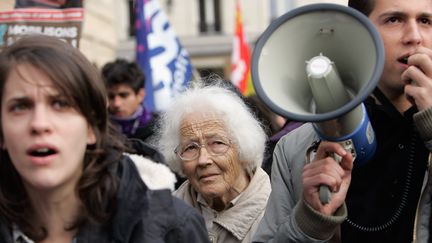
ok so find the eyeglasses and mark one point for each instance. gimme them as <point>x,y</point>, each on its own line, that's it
<point>191,151</point>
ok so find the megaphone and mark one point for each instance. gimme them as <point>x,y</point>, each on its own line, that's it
<point>317,63</point>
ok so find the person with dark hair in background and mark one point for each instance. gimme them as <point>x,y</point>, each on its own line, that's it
<point>210,136</point>
<point>273,122</point>
<point>388,199</point>
<point>125,83</point>
<point>64,173</point>
<point>275,126</point>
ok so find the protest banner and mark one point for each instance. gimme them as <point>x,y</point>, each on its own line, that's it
<point>65,24</point>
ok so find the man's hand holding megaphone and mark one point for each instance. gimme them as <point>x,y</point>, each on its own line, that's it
<point>418,78</point>
<point>324,170</point>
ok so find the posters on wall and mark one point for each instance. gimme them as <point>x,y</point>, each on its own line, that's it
<point>35,17</point>
<point>59,4</point>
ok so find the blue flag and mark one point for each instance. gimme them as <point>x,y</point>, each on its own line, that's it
<point>164,61</point>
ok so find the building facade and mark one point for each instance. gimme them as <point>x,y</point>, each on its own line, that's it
<point>205,28</point>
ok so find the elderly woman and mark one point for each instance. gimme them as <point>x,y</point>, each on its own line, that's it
<point>210,136</point>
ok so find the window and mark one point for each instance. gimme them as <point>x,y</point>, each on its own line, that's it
<point>131,6</point>
<point>210,16</point>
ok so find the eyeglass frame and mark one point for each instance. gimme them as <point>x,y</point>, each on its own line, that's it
<point>228,144</point>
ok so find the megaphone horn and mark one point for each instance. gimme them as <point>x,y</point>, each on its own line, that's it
<point>317,63</point>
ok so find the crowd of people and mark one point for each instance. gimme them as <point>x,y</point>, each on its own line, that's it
<point>83,160</point>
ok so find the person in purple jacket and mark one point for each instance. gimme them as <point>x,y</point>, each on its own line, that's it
<point>125,84</point>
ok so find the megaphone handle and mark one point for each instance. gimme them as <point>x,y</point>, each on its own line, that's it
<point>324,191</point>
<point>324,194</point>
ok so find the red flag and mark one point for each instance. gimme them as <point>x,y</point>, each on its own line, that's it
<point>240,59</point>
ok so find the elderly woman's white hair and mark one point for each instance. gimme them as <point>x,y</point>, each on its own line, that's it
<point>243,128</point>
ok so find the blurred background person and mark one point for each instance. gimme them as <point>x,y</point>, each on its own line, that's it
<point>125,84</point>
<point>211,137</point>
<point>272,122</point>
<point>275,126</point>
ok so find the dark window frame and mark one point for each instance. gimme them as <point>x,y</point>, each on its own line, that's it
<point>204,26</point>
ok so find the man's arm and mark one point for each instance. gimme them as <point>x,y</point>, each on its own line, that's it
<point>288,218</point>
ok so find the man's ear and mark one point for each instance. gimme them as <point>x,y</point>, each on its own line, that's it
<point>141,94</point>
